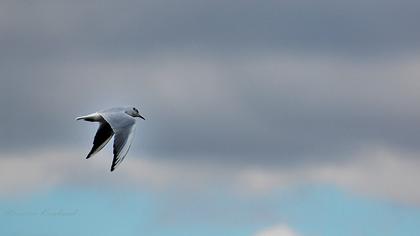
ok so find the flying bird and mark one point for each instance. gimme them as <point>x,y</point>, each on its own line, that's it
<point>118,121</point>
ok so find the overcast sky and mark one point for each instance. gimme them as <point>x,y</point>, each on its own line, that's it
<point>278,80</point>
<point>250,88</point>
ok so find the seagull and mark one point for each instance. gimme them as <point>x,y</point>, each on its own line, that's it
<point>119,121</point>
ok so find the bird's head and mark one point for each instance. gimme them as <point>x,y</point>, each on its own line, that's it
<point>132,111</point>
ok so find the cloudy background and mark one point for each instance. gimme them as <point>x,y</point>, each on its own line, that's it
<point>263,118</point>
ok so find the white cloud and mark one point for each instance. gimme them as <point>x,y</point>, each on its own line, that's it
<point>380,173</point>
<point>278,230</point>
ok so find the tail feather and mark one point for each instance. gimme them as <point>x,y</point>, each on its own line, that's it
<point>91,117</point>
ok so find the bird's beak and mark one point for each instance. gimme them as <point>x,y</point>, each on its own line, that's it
<point>141,116</point>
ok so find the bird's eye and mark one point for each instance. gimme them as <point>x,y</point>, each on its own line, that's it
<point>135,110</point>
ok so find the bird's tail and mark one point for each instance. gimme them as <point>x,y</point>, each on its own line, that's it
<point>91,117</point>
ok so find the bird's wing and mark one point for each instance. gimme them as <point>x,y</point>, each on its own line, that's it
<point>122,143</point>
<point>123,126</point>
<point>102,137</point>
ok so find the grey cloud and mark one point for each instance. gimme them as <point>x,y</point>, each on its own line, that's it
<point>49,27</point>
<point>266,109</point>
<point>250,81</point>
